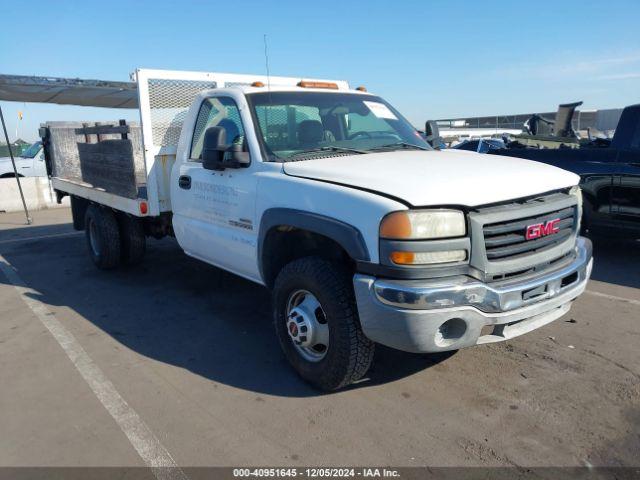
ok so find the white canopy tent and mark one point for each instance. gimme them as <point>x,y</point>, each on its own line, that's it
<point>68,91</point>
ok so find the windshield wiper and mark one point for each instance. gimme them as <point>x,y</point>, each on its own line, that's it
<point>391,146</point>
<point>330,148</point>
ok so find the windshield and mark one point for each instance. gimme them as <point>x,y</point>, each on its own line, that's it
<point>32,151</point>
<point>302,125</point>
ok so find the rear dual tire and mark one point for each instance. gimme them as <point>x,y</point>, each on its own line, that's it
<point>103,237</point>
<point>133,242</point>
<point>113,238</point>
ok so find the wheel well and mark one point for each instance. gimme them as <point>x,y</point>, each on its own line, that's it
<point>156,227</point>
<point>10,175</point>
<point>283,244</point>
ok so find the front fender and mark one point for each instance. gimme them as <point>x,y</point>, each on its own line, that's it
<point>347,236</point>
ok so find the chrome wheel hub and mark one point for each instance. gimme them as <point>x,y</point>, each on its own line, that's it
<point>307,325</point>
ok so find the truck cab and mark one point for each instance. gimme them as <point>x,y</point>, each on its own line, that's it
<point>329,197</point>
<point>339,179</point>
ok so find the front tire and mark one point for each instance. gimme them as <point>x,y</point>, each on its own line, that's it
<point>103,237</point>
<point>317,323</point>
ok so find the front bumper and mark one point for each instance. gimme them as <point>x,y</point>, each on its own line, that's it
<point>455,312</point>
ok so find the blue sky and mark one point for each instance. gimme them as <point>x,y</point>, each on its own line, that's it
<point>431,59</point>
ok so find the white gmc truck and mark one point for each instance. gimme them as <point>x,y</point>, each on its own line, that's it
<point>330,198</point>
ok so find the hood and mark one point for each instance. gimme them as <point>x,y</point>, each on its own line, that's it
<point>447,177</point>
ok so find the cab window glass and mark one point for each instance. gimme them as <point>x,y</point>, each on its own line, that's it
<point>291,124</point>
<point>32,151</point>
<point>279,123</point>
<point>367,123</point>
<point>216,112</point>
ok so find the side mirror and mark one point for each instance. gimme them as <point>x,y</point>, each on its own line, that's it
<point>218,155</point>
<point>431,129</point>
<point>239,157</point>
<point>432,134</point>
<point>213,147</point>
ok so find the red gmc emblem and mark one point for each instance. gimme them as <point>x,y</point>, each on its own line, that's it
<point>538,230</point>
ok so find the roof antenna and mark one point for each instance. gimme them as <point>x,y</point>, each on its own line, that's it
<point>266,62</point>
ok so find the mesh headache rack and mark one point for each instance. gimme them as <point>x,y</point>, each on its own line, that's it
<point>163,98</point>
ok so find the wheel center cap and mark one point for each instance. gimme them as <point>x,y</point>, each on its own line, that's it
<point>293,329</point>
<point>300,328</point>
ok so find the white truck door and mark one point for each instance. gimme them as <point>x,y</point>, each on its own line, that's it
<point>214,211</point>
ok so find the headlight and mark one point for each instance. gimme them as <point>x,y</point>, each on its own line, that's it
<point>423,225</point>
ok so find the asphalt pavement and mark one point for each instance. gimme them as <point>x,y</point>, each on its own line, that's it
<point>176,362</point>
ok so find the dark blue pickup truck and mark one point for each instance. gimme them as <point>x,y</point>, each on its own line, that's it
<point>609,173</point>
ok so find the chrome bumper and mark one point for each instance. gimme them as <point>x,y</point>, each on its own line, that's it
<point>498,297</point>
<point>453,312</point>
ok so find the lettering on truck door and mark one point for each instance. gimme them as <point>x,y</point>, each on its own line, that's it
<point>215,217</point>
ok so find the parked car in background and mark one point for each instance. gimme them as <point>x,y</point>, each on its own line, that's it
<point>609,174</point>
<point>480,145</point>
<point>28,164</point>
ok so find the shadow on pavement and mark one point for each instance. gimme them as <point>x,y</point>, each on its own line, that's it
<point>32,231</point>
<point>616,261</point>
<point>180,311</point>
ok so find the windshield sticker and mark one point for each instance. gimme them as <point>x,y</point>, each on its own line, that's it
<point>380,110</point>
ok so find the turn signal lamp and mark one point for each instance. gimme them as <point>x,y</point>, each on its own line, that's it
<point>144,208</point>
<point>426,258</point>
<point>402,258</point>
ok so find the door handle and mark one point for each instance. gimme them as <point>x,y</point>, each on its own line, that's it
<point>184,182</point>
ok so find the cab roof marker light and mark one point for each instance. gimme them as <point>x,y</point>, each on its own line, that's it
<point>310,84</point>
<point>257,84</point>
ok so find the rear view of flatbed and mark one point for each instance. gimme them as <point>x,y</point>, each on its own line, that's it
<point>101,162</point>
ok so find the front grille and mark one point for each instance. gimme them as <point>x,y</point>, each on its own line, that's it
<point>506,240</point>
<point>538,268</point>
